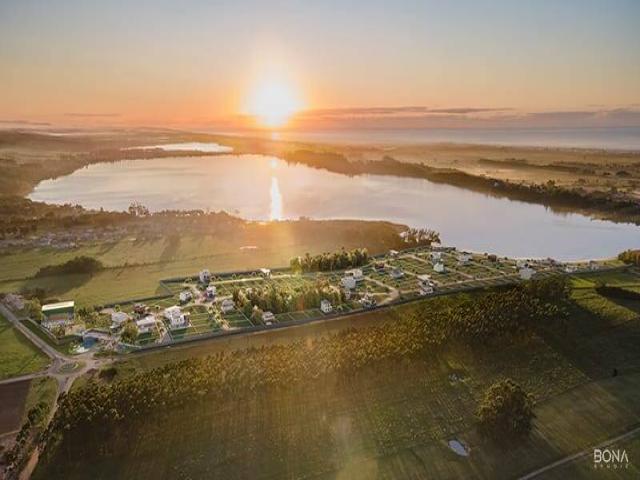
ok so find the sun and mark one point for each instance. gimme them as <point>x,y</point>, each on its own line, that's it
<point>273,102</point>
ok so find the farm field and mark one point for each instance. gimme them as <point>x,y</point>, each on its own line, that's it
<point>391,419</point>
<point>18,355</point>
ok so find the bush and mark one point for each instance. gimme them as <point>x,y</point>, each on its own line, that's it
<point>129,333</point>
<point>630,256</point>
<point>506,411</point>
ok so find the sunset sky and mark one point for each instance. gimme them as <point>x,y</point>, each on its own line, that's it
<point>193,62</point>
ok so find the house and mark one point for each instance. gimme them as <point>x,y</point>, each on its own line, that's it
<point>185,296</point>
<point>227,305</point>
<point>393,253</point>
<point>118,319</point>
<point>464,258</point>
<point>210,292</point>
<point>526,272</point>
<point>396,273</point>
<point>58,314</point>
<point>593,265</point>
<point>265,272</point>
<point>268,318</point>
<point>325,306</point>
<point>14,301</point>
<point>140,309</point>
<point>205,276</point>
<point>436,257</point>
<point>146,324</point>
<point>424,281</point>
<point>356,273</point>
<point>439,267</point>
<point>426,290</point>
<point>349,283</point>
<point>176,318</point>
<point>368,301</point>
<point>570,269</point>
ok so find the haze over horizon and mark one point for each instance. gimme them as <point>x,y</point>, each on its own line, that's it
<point>356,64</point>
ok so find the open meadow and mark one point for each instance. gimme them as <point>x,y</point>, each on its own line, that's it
<point>18,356</point>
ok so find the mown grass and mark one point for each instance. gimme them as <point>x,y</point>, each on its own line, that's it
<point>18,356</point>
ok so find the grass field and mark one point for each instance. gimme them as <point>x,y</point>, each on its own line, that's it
<point>18,356</point>
<point>390,420</point>
<point>135,266</point>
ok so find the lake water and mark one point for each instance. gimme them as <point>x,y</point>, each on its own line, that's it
<point>257,187</point>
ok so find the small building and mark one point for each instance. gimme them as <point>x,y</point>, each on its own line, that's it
<point>368,301</point>
<point>349,283</point>
<point>436,257</point>
<point>396,273</point>
<point>356,273</point>
<point>325,306</point>
<point>265,272</point>
<point>570,269</point>
<point>176,318</point>
<point>14,301</point>
<point>393,253</point>
<point>58,314</point>
<point>593,265</point>
<point>268,318</point>
<point>227,305</point>
<point>526,272</point>
<point>140,309</point>
<point>424,281</point>
<point>205,276</point>
<point>439,268</point>
<point>185,296</point>
<point>146,324</point>
<point>426,290</point>
<point>118,319</point>
<point>464,258</point>
<point>210,292</point>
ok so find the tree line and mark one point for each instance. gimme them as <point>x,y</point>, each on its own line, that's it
<point>326,262</point>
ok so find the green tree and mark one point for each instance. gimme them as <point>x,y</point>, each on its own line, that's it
<point>506,410</point>
<point>129,333</point>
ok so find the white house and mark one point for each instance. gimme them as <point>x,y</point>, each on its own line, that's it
<point>426,290</point>
<point>265,272</point>
<point>393,253</point>
<point>439,267</point>
<point>185,296</point>
<point>210,292</point>
<point>436,257</point>
<point>464,258</point>
<point>570,268</point>
<point>325,306</point>
<point>526,273</point>
<point>356,273</point>
<point>396,273</point>
<point>349,283</point>
<point>268,318</point>
<point>175,317</point>
<point>593,265</point>
<point>146,324</point>
<point>118,318</point>
<point>205,276</point>
<point>227,305</point>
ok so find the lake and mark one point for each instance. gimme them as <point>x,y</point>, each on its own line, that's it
<point>258,187</point>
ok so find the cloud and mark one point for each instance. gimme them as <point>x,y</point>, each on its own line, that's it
<point>92,115</point>
<point>412,111</point>
<point>24,122</point>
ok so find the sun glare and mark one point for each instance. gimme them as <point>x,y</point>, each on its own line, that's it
<point>273,102</point>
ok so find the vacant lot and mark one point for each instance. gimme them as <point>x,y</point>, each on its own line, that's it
<point>18,356</point>
<point>12,398</point>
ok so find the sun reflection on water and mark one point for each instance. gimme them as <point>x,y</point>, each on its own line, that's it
<point>275,212</point>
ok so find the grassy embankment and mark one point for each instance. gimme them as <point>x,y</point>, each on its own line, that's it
<point>392,418</point>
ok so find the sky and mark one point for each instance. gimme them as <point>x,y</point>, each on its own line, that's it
<point>401,63</point>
